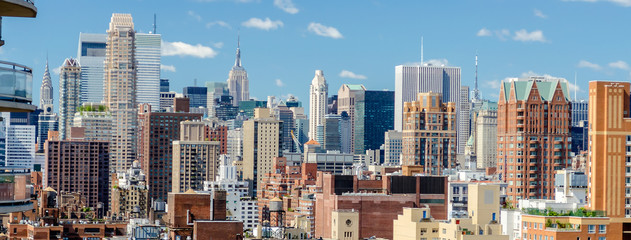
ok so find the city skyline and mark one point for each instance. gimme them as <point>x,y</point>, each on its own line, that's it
<point>364,49</point>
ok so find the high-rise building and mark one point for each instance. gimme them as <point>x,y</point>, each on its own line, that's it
<point>46,90</point>
<point>332,132</point>
<point>464,119</point>
<point>609,143</point>
<point>580,110</point>
<point>248,106</point>
<point>120,91</point>
<point>393,144</point>
<point>95,120</point>
<point>345,133</point>
<point>234,143</point>
<point>413,79</point>
<point>157,131</point>
<point>284,114</point>
<point>147,56</point>
<point>332,105</point>
<point>69,95</point>
<point>166,100</point>
<point>429,133</point>
<point>91,57</point>
<point>48,120</point>
<point>371,115</point>
<point>223,108</point>
<point>215,92</point>
<point>238,83</point>
<point>197,95</point>
<point>19,145</point>
<point>533,135</point>
<point>486,135</point>
<point>301,132</point>
<point>164,85</point>
<point>195,160</point>
<point>77,166</point>
<point>262,142</point>
<point>347,97</point>
<point>317,103</point>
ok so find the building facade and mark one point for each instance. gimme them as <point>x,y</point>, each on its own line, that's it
<point>485,126</point>
<point>95,120</point>
<point>533,135</point>
<point>429,133</point>
<point>147,54</point>
<point>197,96</point>
<point>119,90</point>
<point>413,79</point>
<point>262,142</point>
<point>91,55</point>
<point>238,83</point>
<point>69,95</point>
<point>157,131</point>
<point>317,103</point>
<point>76,166</point>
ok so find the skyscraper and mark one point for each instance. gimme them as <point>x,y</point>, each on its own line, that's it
<point>69,95</point>
<point>485,135</point>
<point>195,158</point>
<point>91,55</point>
<point>120,90</point>
<point>238,83</point>
<point>317,103</point>
<point>197,95</point>
<point>215,90</point>
<point>262,142</point>
<point>20,140</point>
<point>609,144</point>
<point>413,79</point>
<point>580,110</point>
<point>46,90</point>
<point>464,119</point>
<point>533,135</point>
<point>47,119</point>
<point>147,56</point>
<point>164,85</point>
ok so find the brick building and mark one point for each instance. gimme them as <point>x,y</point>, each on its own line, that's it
<point>77,166</point>
<point>290,183</point>
<point>429,133</point>
<point>200,216</point>
<point>157,132</point>
<point>533,135</point>
<point>377,201</point>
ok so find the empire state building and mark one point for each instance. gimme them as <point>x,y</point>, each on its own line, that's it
<point>238,83</point>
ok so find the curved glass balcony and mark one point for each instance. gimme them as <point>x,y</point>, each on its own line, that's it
<point>16,87</point>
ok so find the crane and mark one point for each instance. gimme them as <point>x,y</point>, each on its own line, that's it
<point>298,145</point>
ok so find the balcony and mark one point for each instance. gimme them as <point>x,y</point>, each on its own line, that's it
<point>16,87</point>
<point>18,8</point>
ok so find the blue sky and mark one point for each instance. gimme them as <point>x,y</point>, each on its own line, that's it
<point>357,42</point>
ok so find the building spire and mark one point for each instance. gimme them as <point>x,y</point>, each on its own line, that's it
<point>476,91</point>
<point>237,61</point>
<point>421,50</point>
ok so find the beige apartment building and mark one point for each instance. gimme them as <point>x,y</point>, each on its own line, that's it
<point>482,223</point>
<point>95,120</point>
<point>262,141</point>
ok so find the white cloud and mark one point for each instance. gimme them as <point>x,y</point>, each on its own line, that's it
<point>279,83</point>
<point>266,24</point>
<point>495,84</point>
<point>624,3</point>
<point>167,68</point>
<point>484,33</point>
<point>218,23</point>
<point>324,31</point>
<point>195,15</point>
<point>57,70</point>
<point>286,5</point>
<point>539,14</point>
<point>525,36</point>
<point>185,49</point>
<point>502,34</point>
<point>619,65</point>
<point>571,87</point>
<point>352,75</point>
<point>218,44</point>
<point>586,64</point>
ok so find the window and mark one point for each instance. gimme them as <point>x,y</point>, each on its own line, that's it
<point>591,228</point>
<point>602,229</point>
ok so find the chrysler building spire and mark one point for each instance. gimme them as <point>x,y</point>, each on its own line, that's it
<point>46,90</point>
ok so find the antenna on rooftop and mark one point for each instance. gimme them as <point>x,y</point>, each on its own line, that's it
<point>154,24</point>
<point>421,50</point>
